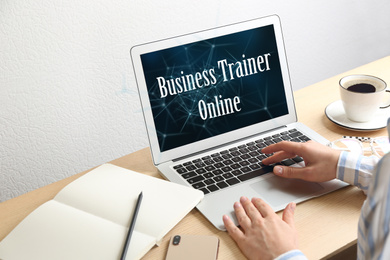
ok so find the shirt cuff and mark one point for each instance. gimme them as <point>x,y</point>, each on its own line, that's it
<point>292,255</point>
<point>356,169</point>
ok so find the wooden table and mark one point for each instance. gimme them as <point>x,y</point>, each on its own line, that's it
<point>326,225</point>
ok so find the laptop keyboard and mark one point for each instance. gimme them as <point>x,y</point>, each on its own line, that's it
<point>238,164</point>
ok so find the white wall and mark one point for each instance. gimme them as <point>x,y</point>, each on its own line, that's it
<point>68,99</point>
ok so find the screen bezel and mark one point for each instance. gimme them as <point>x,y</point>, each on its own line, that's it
<point>195,147</point>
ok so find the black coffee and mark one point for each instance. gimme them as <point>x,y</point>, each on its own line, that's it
<point>362,88</point>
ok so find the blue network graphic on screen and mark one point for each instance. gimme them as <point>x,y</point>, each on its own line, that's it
<point>214,86</point>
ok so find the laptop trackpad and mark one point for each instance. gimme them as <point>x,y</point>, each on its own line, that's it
<point>280,191</point>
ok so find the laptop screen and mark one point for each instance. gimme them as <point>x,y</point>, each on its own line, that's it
<point>205,88</point>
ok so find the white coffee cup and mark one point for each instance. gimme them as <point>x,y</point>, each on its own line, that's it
<point>362,96</point>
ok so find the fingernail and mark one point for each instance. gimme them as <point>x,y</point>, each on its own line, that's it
<point>237,204</point>
<point>243,198</point>
<point>292,206</point>
<point>278,170</point>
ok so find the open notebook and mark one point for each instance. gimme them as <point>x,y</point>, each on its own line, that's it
<point>89,218</point>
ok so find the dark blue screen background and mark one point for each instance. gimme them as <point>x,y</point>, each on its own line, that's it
<point>177,117</point>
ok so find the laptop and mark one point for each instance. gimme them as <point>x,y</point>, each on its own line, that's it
<point>211,100</point>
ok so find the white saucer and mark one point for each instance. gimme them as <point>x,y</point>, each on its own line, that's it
<point>335,113</point>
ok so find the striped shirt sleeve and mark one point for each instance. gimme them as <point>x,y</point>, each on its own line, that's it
<point>292,255</point>
<point>356,169</point>
<point>372,175</point>
<point>374,222</point>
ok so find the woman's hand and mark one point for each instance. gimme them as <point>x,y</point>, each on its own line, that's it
<point>320,160</point>
<point>263,234</point>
